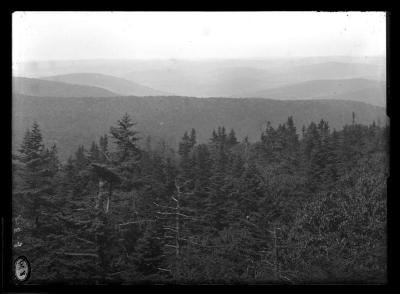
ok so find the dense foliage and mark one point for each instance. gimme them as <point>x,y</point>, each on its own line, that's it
<point>289,208</point>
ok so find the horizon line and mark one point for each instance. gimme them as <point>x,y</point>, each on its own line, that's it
<point>199,58</point>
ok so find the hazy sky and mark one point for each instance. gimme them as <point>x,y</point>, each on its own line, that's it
<point>92,35</point>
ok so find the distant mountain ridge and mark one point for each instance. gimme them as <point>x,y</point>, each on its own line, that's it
<point>43,88</point>
<point>357,89</point>
<point>114,84</point>
<point>121,67</point>
<point>211,77</point>
<point>236,80</point>
<point>340,70</point>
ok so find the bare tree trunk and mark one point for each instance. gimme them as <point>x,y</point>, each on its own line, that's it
<point>103,208</point>
<point>177,234</point>
<point>275,252</point>
<point>100,195</point>
<point>175,211</point>
<point>107,205</point>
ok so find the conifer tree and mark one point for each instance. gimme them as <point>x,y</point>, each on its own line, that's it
<point>149,257</point>
<point>232,140</point>
<point>103,148</point>
<point>192,138</point>
<point>282,209</point>
<point>125,139</point>
<point>37,201</point>
<point>94,152</point>
<point>127,152</point>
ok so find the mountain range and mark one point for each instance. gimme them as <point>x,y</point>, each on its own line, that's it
<point>114,84</point>
<point>43,88</point>
<point>75,102</point>
<point>203,78</point>
<point>237,80</point>
<point>364,90</point>
<point>99,85</point>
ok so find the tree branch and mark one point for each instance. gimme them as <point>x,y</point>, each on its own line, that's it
<point>166,212</point>
<point>113,274</point>
<point>170,245</point>
<point>81,254</point>
<point>136,222</point>
<point>164,206</point>
<point>87,241</point>
<point>176,213</point>
<point>169,228</point>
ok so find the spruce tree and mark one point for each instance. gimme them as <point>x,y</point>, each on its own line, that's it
<point>37,201</point>
<point>125,139</point>
<point>127,154</point>
<point>232,140</point>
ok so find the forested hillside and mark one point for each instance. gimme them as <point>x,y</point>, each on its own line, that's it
<point>296,205</point>
<point>79,121</point>
<point>111,83</point>
<point>364,90</point>
<point>43,88</point>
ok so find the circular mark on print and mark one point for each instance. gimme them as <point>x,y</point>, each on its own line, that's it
<point>22,269</point>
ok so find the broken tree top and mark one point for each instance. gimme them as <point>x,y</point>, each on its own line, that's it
<point>104,172</point>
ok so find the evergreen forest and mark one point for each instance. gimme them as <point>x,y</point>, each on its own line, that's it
<point>295,206</point>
